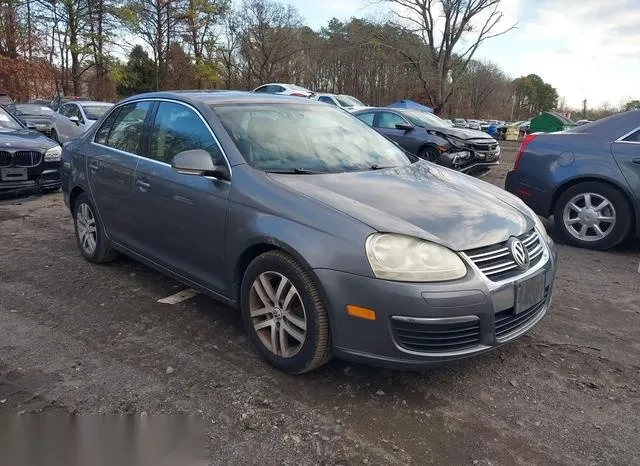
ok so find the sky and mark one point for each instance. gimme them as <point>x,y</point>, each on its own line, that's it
<point>586,49</point>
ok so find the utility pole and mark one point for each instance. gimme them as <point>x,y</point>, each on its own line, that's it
<point>584,109</point>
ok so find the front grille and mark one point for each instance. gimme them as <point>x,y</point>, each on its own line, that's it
<point>5,159</point>
<point>484,147</point>
<point>496,262</point>
<point>26,158</point>
<point>507,321</point>
<point>434,337</point>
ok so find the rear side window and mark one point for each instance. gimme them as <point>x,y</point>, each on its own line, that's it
<point>367,118</point>
<point>103,133</point>
<point>126,132</point>
<point>178,128</point>
<point>326,100</point>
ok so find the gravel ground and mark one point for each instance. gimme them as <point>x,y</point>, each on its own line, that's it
<point>85,339</point>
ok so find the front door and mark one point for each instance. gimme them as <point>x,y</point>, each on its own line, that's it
<point>183,216</point>
<point>385,123</point>
<point>111,168</point>
<point>627,155</point>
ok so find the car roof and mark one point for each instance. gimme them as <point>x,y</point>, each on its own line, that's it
<point>92,102</point>
<point>221,97</point>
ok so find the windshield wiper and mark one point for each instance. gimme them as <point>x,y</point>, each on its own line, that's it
<point>297,171</point>
<point>375,166</point>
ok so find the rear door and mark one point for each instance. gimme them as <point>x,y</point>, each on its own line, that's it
<point>111,167</point>
<point>181,218</point>
<point>626,151</point>
<point>385,123</point>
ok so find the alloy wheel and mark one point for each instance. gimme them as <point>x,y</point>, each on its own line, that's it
<point>589,216</point>
<point>87,231</point>
<point>277,314</point>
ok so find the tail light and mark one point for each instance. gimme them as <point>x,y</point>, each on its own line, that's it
<point>298,94</point>
<point>525,142</point>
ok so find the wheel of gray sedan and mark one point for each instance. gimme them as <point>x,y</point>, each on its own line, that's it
<point>593,215</point>
<point>90,236</point>
<point>284,313</point>
<point>429,154</point>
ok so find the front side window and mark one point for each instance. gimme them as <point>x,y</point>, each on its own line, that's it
<point>262,89</point>
<point>292,138</point>
<point>74,111</point>
<point>103,133</point>
<point>178,128</point>
<point>64,110</point>
<point>389,120</point>
<point>126,133</point>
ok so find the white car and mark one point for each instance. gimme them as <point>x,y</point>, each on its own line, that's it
<point>344,101</point>
<point>284,89</point>
<point>74,118</point>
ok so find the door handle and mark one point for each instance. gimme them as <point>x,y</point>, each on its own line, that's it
<point>94,165</point>
<point>636,160</point>
<point>143,185</point>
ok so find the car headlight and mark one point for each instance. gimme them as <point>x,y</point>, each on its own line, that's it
<point>539,226</point>
<point>407,259</point>
<point>455,142</point>
<point>53,154</point>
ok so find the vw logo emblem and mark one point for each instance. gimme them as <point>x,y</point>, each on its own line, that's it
<point>519,253</point>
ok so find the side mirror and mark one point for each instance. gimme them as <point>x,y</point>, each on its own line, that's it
<point>74,119</point>
<point>404,127</point>
<point>199,162</point>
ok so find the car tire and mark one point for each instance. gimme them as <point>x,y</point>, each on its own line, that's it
<point>284,313</point>
<point>54,136</point>
<point>429,154</point>
<point>90,236</point>
<point>590,203</point>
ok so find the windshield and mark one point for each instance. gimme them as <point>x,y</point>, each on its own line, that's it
<point>424,118</point>
<point>348,101</point>
<point>293,137</point>
<point>94,112</point>
<point>7,122</point>
<point>31,109</point>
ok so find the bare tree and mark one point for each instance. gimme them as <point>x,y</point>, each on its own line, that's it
<point>485,80</point>
<point>269,39</point>
<point>449,38</point>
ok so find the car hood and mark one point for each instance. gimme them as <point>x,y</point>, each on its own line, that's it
<point>25,139</point>
<point>463,133</point>
<point>36,118</point>
<point>421,200</point>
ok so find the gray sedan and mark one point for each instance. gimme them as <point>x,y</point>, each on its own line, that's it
<point>74,118</point>
<point>328,238</point>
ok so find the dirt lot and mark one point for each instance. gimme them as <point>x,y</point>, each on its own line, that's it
<point>88,339</point>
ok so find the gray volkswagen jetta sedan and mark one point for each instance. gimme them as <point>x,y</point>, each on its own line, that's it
<point>329,238</point>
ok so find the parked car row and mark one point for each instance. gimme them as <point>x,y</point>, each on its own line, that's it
<point>415,128</point>
<point>329,238</point>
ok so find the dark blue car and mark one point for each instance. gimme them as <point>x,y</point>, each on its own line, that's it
<point>587,177</point>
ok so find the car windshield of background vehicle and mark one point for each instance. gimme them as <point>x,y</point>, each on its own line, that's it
<point>33,109</point>
<point>348,101</point>
<point>424,118</point>
<point>290,138</point>
<point>7,122</point>
<point>94,112</point>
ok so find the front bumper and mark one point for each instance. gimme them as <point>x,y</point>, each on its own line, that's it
<point>46,176</point>
<point>474,307</point>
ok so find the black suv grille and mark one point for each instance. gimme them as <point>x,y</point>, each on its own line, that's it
<point>434,337</point>
<point>5,159</point>
<point>27,158</point>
